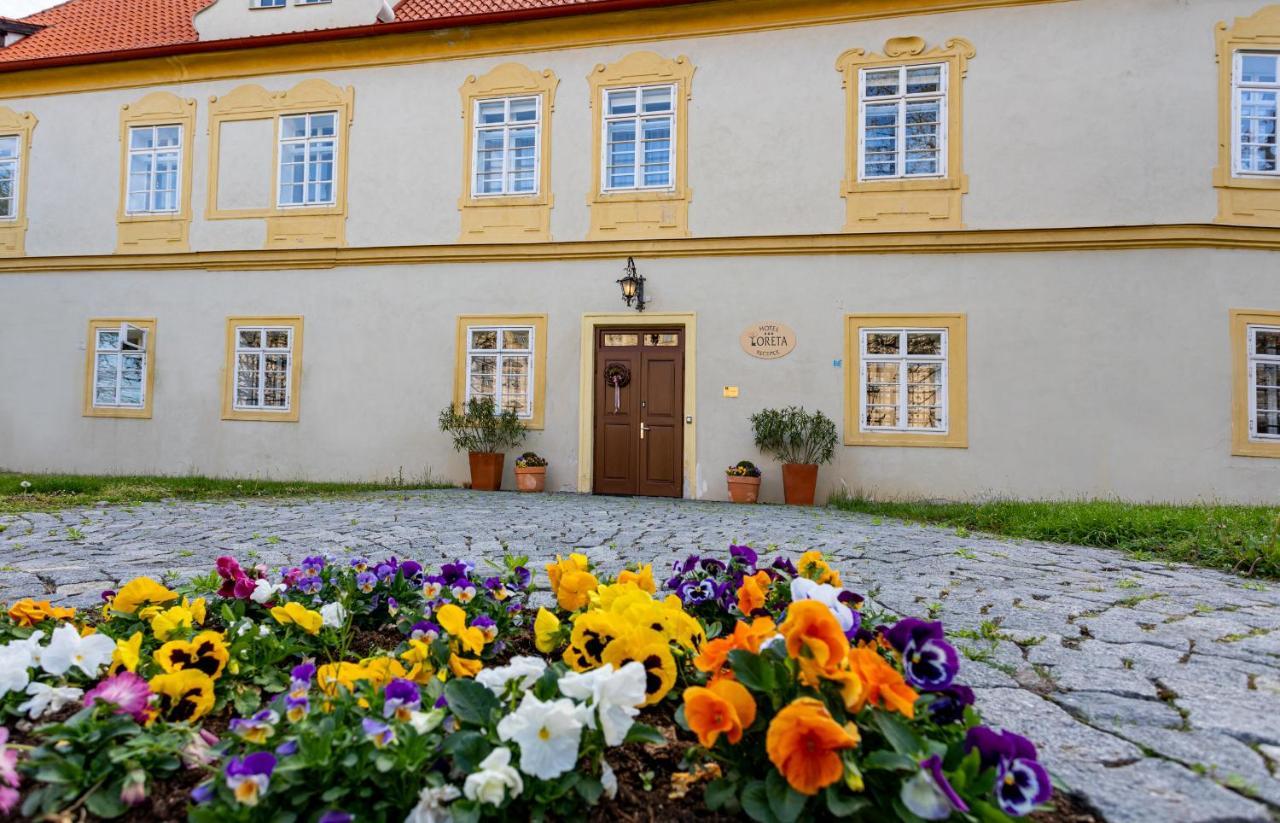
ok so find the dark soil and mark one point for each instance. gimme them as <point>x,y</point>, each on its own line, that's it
<point>368,642</point>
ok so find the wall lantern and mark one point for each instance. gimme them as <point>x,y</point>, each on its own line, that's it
<point>632,285</point>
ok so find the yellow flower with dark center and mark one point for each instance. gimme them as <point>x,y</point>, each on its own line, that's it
<point>140,592</point>
<point>546,631</point>
<point>125,657</point>
<point>592,633</point>
<point>183,696</point>
<point>297,614</point>
<point>206,652</point>
<point>172,621</point>
<point>28,612</point>
<point>651,650</point>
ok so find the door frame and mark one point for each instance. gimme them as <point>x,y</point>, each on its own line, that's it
<point>586,390</point>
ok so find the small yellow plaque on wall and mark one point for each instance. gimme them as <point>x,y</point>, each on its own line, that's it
<point>768,341</point>
<point>730,391</point>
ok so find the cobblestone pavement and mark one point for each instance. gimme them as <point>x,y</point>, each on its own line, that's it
<point>1152,690</point>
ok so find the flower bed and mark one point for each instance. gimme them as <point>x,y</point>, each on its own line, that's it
<point>348,689</point>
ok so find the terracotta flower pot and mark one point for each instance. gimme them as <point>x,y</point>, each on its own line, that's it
<point>531,479</point>
<point>486,470</point>
<point>743,489</point>
<point>799,482</point>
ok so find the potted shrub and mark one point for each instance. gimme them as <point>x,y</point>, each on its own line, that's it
<point>484,435</point>
<point>531,473</point>
<point>744,482</point>
<point>801,442</point>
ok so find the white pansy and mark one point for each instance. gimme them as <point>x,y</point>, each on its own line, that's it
<point>548,733</point>
<point>494,779</point>
<point>31,645</point>
<point>431,805</point>
<point>924,799</point>
<point>264,590</point>
<point>524,670</point>
<point>14,664</point>
<point>804,589</point>
<point>333,615</point>
<point>426,722</point>
<point>778,641</point>
<point>608,780</point>
<point>46,699</point>
<point>68,649</point>
<point>615,696</point>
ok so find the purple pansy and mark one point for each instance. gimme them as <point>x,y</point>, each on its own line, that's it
<point>335,816</point>
<point>424,630</point>
<point>287,749</point>
<point>463,592</point>
<point>455,572</point>
<point>949,704</point>
<point>411,569</point>
<point>360,564</point>
<point>310,584</point>
<point>929,795</point>
<point>523,576</point>
<point>248,777</point>
<point>744,554</point>
<point>401,698</point>
<point>928,661</point>
<point>256,729</point>
<point>313,565</point>
<point>202,794</point>
<point>380,733</point>
<point>366,581</point>
<point>784,565</point>
<point>1021,782</point>
<point>486,624</point>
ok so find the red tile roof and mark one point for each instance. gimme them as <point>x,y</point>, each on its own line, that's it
<point>84,27</point>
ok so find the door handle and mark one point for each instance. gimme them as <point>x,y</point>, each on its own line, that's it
<point>643,429</point>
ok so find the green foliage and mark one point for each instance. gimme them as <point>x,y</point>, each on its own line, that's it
<point>481,428</point>
<point>1244,539</point>
<point>793,435</point>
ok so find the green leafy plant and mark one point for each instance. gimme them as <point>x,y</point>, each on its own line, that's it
<point>793,435</point>
<point>479,427</point>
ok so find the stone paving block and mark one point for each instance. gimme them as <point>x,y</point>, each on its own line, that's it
<point>1158,791</point>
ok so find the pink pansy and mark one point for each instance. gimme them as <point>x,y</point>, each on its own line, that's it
<point>128,692</point>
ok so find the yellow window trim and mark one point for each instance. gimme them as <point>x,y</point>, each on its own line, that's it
<point>1241,445</point>
<point>1249,201</point>
<point>587,389</point>
<point>294,227</point>
<point>539,324</point>
<point>13,232</point>
<point>906,205</point>
<point>957,435</point>
<point>91,341</point>
<point>514,218</point>
<point>156,233</point>
<point>229,411</point>
<point>634,215</point>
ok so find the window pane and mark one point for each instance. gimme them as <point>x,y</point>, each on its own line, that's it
<point>882,373</point>
<point>924,418</point>
<point>168,136</point>
<point>924,395</point>
<point>293,127</point>
<point>484,339</point>
<point>277,338</point>
<point>882,83</point>
<point>250,338</point>
<point>134,339</point>
<point>108,339</point>
<point>622,339</point>
<point>1268,374</point>
<point>106,370</point>
<point>1267,341</point>
<point>656,99</point>
<point>515,338</point>
<point>1267,424</point>
<point>882,416</point>
<point>924,343</point>
<point>491,111</point>
<point>9,146</point>
<point>882,395</point>
<point>621,101</point>
<point>665,339</point>
<point>924,79</point>
<point>930,373</point>
<point>322,125</point>
<point>1258,68</point>
<point>524,109</point>
<point>882,342</point>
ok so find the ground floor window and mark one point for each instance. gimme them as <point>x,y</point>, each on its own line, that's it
<point>118,372</point>
<point>905,381</point>
<point>503,357</point>
<point>264,362</point>
<point>1256,407</point>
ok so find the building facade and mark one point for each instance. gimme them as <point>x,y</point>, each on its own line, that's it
<point>1018,248</point>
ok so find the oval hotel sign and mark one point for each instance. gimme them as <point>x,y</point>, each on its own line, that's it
<point>769,341</point>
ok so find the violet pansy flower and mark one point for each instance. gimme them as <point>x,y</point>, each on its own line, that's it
<point>256,729</point>
<point>401,699</point>
<point>1021,782</point>
<point>248,777</point>
<point>949,704</point>
<point>929,795</point>
<point>928,661</point>
<point>365,581</point>
<point>745,554</point>
<point>380,733</point>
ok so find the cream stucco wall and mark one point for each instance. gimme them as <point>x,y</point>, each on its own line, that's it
<point>1090,374</point>
<point>1084,113</point>
<point>238,18</point>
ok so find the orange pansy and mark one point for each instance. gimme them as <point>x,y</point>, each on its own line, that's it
<point>713,655</point>
<point>804,743</point>
<point>723,707</point>
<point>883,683</point>
<point>814,636</point>
<point>29,612</point>
<point>752,593</point>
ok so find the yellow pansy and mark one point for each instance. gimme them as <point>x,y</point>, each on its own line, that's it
<point>185,695</point>
<point>592,633</point>
<point>139,592</point>
<point>206,652</point>
<point>464,667</point>
<point>642,577</point>
<point>813,566</point>
<point>382,670</point>
<point>297,614</point>
<point>418,656</point>
<point>454,621</point>
<point>571,581</point>
<point>171,621</point>
<point>125,657</point>
<point>546,631</point>
<point>650,649</point>
<point>332,675</point>
<point>197,609</point>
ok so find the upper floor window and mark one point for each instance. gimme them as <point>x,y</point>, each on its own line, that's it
<point>639,129</point>
<point>1264,382</point>
<point>500,366</point>
<point>508,138</point>
<point>120,366</point>
<point>267,4</point>
<point>1256,89</point>
<point>904,380</point>
<point>902,122</point>
<point>155,157</point>
<point>10,148</point>
<point>308,144</point>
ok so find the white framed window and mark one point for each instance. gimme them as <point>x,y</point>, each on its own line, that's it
<point>10,158</point>
<point>308,145</point>
<point>903,380</point>
<point>639,138</point>
<point>120,367</point>
<point>267,4</point>
<point>500,362</point>
<point>1264,382</point>
<point>902,122</point>
<point>508,142</point>
<point>155,160</point>
<point>1255,87</point>
<point>263,368</point>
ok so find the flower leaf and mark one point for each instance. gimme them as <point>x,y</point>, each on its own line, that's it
<point>755,802</point>
<point>640,733</point>
<point>891,761</point>
<point>469,701</point>
<point>752,671</point>
<point>841,804</point>
<point>786,803</point>
<point>467,748</point>
<point>718,793</point>
<point>590,788</point>
<point>899,735</point>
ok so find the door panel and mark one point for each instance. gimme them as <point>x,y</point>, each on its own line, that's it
<point>639,428</point>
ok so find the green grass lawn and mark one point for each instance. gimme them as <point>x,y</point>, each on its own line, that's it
<point>57,491</point>
<point>1243,539</point>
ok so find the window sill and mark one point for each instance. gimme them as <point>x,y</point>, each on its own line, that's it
<point>909,184</point>
<point>951,440</point>
<point>290,416</point>
<point>134,414</point>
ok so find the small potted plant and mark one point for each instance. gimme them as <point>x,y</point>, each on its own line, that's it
<point>484,435</point>
<point>801,442</point>
<point>744,482</point>
<point>531,473</point>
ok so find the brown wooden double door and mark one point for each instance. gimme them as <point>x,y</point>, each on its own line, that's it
<point>639,424</point>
